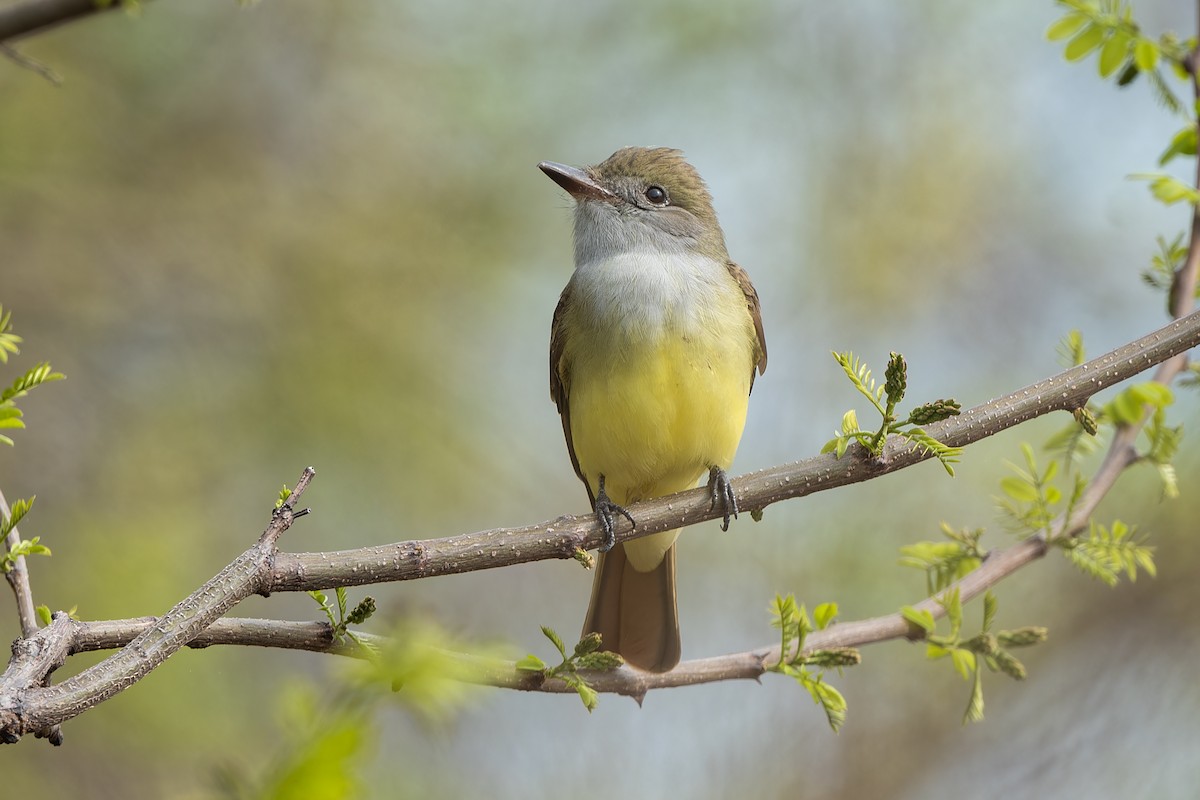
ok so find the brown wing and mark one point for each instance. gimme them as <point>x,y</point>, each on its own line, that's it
<point>560,380</point>
<point>755,309</point>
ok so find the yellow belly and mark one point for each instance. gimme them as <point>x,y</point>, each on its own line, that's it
<point>654,417</point>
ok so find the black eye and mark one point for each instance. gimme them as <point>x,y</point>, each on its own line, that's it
<point>657,195</point>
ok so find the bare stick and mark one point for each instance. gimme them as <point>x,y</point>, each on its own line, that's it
<point>18,578</point>
<point>34,16</point>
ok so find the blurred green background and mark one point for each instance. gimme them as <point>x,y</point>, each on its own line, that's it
<point>313,233</point>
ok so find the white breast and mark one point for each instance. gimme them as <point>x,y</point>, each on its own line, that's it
<point>644,292</point>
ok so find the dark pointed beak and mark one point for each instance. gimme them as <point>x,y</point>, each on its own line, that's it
<point>578,183</point>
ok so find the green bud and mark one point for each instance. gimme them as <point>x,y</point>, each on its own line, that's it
<point>603,661</point>
<point>1023,637</point>
<point>934,412</point>
<point>1009,665</point>
<point>834,657</point>
<point>584,557</point>
<point>362,612</point>
<point>895,378</point>
<point>1086,420</point>
<point>588,644</point>
<point>984,644</point>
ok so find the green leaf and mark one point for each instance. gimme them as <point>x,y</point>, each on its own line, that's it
<point>974,711</point>
<point>555,639</point>
<point>1125,408</point>
<point>17,512</point>
<point>832,701</point>
<point>1183,144</point>
<point>37,375</point>
<point>952,602</point>
<point>1145,55</point>
<point>1018,489</point>
<point>990,605</point>
<point>531,663</point>
<point>1169,190</point>
<point>824,614</point>
<point>964,662</point>
<point>1170,481</point>
<point>922,618</point>
<point>1071,352</point>
<point>1128,75</point>
<point>1064,27</point>
<point>588,695</point>
<point>44,615</point>
<point>1114,52</point>
<point>1153,393</point>
<point>1084,42</point>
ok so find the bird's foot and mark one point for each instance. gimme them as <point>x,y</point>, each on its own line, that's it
<point>606,513</point>
<point>722,492</point>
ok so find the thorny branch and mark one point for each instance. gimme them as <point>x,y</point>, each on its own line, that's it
<point>27,706</point>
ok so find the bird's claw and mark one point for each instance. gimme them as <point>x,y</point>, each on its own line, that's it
<point>722,491</point>
<point>606,513</point>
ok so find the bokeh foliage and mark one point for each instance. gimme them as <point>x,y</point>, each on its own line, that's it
<point>298,233</point>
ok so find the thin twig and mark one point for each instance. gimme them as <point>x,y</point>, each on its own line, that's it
<point>16,56</point>
<point>37,709</point>
<point>34,16</point>
<point>18,578</point>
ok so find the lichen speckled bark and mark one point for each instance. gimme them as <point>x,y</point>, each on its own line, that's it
<point>37,709</point>
<point>559,538</point>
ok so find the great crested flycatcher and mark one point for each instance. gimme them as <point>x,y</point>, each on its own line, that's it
<point>653,352</point>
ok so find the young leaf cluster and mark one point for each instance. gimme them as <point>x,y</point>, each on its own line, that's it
<point>1127,407</point>
<point>1032,502</point>
<point>1165,265</point>
<point>10,415</point>
<point>966,653</point>
<point>341,621</point>
<point>808,669</point>
<point>1106,553</point>
<point>945,562</point>
<point>23,547</point>
<point>1107,27</point>
<point>885,398</point>
<point>587,655</point>
<point>325,736</point>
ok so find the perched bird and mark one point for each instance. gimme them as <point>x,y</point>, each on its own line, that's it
<point>653,352</point>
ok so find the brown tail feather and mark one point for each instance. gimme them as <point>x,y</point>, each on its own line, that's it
<point>635,612</point>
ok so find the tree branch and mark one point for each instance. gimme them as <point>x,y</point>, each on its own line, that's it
<point>562,537</point>
<point>34,16</point>
<point>436,556</point>
<point>25,710</point>
<point>18,578</point>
